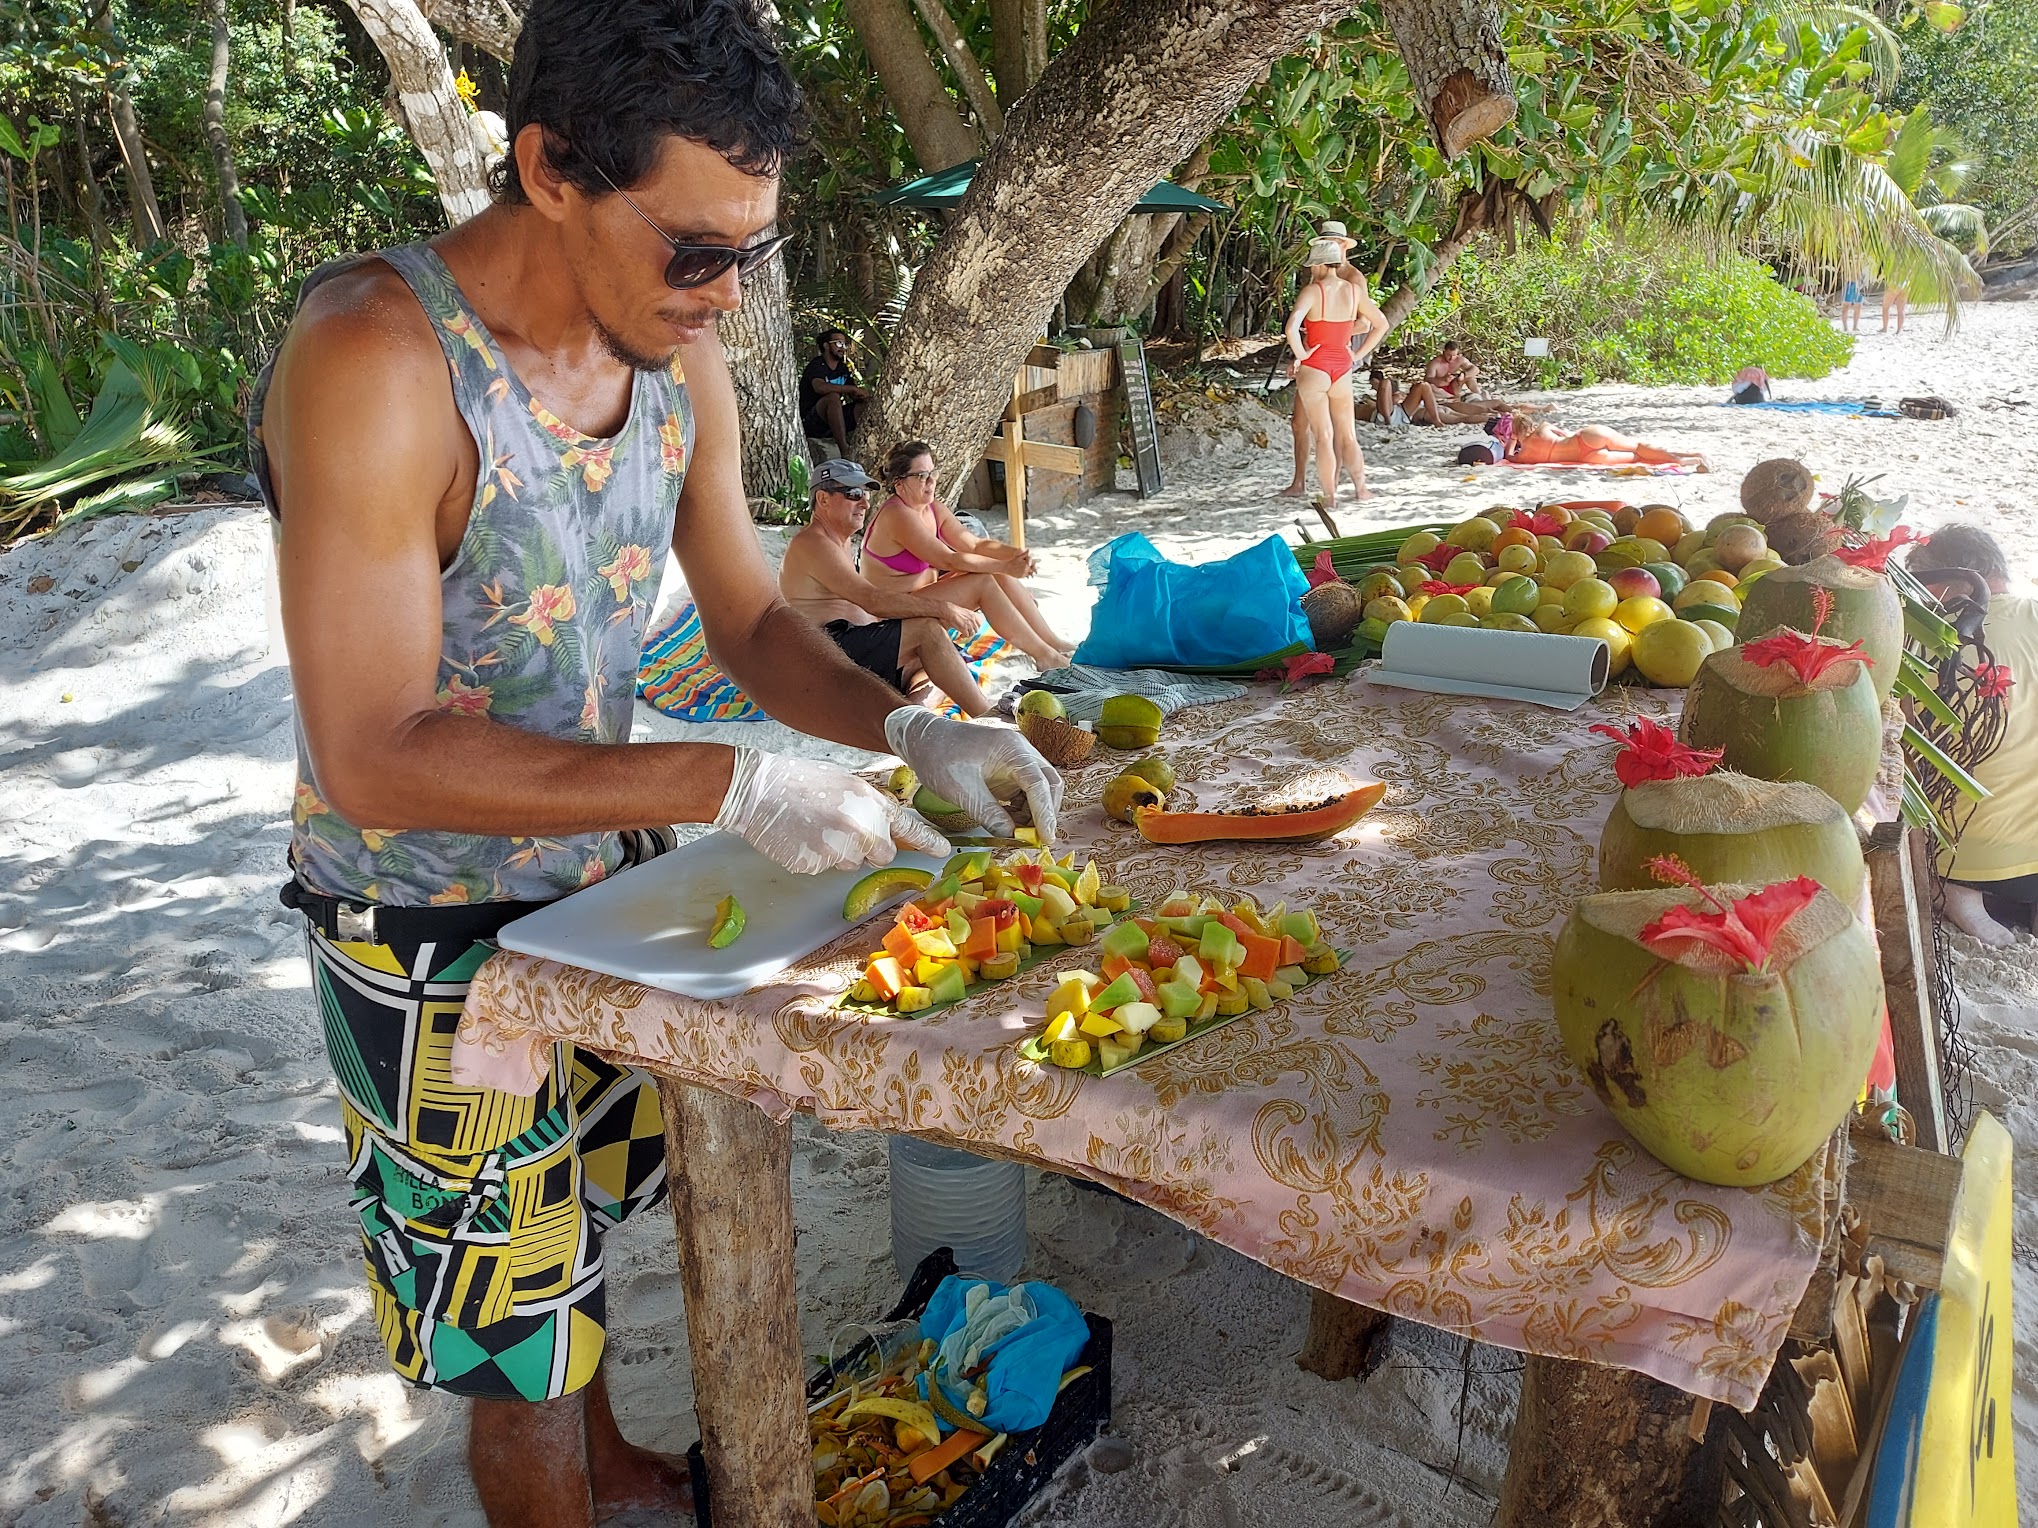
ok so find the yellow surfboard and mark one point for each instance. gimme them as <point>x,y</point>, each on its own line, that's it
<point>1945,1458</point>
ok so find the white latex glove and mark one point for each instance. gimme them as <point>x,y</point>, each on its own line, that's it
<point>976,767</point>
<point>809,816</point>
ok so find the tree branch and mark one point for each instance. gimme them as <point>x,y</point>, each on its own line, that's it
<point>490,25</point>
<point>1457,65</point>
<point>933,127</point>
<point>432,109</point>
<point>963,63</point>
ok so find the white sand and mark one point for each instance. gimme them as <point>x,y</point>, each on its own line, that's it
<point>183,1333</point>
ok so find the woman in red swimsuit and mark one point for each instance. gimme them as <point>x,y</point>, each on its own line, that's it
<point>1593,445</point>
<point>915,545</point>
<point>1320,335</point>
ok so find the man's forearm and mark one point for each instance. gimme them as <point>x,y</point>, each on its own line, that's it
<point>887,606</point>
<point>790,668</point>
<point>467,774</point>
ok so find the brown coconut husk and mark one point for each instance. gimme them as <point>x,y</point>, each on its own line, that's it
<point>1802,536</point>
<point>1778,487</point>
<point>1061,743</point>
<point>1334,611</point>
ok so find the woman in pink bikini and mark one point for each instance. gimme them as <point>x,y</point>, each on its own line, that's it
<point>915,545</point>
<point>1320,335</point>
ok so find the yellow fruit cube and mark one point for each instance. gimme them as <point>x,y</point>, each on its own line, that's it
<point>913,999</point>
<point>1072,996</point>
<point>935,942</point>
<point>863,992</point>
<point>1062,1027</point>
<point>1011,936</point>
<point>1074,1054</point>
<point>1208,1009</point>
<point>1099,1024</point>
<point>1026,835</point>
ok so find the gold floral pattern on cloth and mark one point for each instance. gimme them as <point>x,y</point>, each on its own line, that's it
<point>1408,1134</point>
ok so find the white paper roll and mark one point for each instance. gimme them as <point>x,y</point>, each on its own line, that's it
<point>1557,671</point>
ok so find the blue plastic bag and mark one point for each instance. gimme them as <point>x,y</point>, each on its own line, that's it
<point>1027,1357</point>
<point>1170,614</point>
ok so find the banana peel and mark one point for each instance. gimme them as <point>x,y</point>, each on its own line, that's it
<point>912,1413</point>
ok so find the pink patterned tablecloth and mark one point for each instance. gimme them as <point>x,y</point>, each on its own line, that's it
<point>1408,1135</point>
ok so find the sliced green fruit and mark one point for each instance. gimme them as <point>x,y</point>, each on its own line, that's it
<point>948,986</point>
<point>880,886</point>
<point>1127,939</point>
<point>729,924</point>
<point>1123,990</point>
<point>970,865</point>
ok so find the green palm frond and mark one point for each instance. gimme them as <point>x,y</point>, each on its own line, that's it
<point>1832,19</point>
<point>1959,223</point>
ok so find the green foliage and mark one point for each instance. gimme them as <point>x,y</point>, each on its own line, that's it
<point>1620,310</point>
<point>1978,83</point>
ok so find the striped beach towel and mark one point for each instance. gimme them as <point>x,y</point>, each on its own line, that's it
<point>680,679</point>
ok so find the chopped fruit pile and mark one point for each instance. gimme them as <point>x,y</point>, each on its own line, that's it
<point>981,920</point>
<point>1188,968</point>
<point>880,1460</point>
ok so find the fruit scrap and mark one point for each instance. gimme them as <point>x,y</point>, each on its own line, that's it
<point>1322,819</point>
<point>729,924</point>
<point>881,886</point>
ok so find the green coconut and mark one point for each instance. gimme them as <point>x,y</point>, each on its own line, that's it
<point>1771,725</point>
<point>1866,609</point>
<point>1724,1075</point>
<point>1734,828</point>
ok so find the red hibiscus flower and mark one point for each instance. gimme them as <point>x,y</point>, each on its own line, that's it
<point>1808,657</point>
<point>1435,586</point>
<point>1321,572</point>
<point>1745,928</point>
<point>1439,559</point>
<point>1298,667</point>
<point>1873,554</point>
<point>1653,753</point>
<point>1992,681</point>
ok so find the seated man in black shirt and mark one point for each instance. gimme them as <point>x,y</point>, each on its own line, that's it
<point>831,400</point>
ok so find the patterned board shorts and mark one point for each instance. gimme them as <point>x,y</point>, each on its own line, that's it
<point>481,1212</point>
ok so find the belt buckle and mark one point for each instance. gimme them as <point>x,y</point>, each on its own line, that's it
<point>355,925</point>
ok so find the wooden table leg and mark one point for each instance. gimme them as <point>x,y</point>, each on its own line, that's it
<point>1597,1447</point>
<point>732,1206</point>
<point>1345,1340</point>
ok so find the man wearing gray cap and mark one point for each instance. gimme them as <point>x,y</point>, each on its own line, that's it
<point>899,637</point>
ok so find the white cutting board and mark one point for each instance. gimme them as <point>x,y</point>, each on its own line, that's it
<point>651,922</point>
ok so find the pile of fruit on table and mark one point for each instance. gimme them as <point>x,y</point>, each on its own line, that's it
<point>1661,593</point>
<point>1192,966</point>
<point>982,919</point>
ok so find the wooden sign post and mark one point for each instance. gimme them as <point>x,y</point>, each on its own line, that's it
<point>1011,447</point>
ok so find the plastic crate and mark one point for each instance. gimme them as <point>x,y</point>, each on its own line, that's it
<point>1028,1459</point>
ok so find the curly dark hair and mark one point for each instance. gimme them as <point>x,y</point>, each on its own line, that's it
<point>606,79</point>
<point>899,460</point>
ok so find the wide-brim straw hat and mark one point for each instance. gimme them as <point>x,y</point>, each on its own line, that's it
<point>1331,228</point>
<point>1326,252</point>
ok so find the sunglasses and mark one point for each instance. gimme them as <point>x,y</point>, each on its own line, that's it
<point>695,265</point>
<point>927,476</point>
<point>856,494</point>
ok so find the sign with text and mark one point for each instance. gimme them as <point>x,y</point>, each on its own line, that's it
<point>1146,437</point>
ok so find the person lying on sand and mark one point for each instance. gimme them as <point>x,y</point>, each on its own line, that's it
<point>901,638</point>
<point>1419,403</point>
<point>1997,853</point>
<point>478,451</point>
<point>915,545</point>
<point>1592,445</point>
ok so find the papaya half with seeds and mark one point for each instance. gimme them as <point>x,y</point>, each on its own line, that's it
<point>1322,819</point>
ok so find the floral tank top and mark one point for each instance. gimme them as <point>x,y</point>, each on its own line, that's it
<point>545,605</point>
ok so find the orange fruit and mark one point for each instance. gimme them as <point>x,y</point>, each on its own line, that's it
<point>1558,513</point>
<point>1717,576</point>
<point>1662,524</point>
<point>1513,536</point>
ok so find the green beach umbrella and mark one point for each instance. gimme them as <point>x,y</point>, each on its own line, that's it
<point>944,188</point>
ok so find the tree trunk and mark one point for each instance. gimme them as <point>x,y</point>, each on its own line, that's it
<point>433,112</point>
<point>764,365</point>
<point>963,64</point>
<point>1018,46</point>
<point>1598,1447</point>
<point>127,133</point>
<point>933,127</point>
<point>1143,83</point>
<point>1457,66</point>
<point>1409,295</point>
<point>215,128</point>
<point>90,201</point>
<point>490,25</point>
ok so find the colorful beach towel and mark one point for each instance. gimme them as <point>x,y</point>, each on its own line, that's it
<point>1611,469</point>
<point>680,679</point>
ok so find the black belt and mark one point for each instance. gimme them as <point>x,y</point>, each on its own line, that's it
<point>352,922</point>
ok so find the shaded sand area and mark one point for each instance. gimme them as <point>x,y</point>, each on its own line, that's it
<point>184,1337</point>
